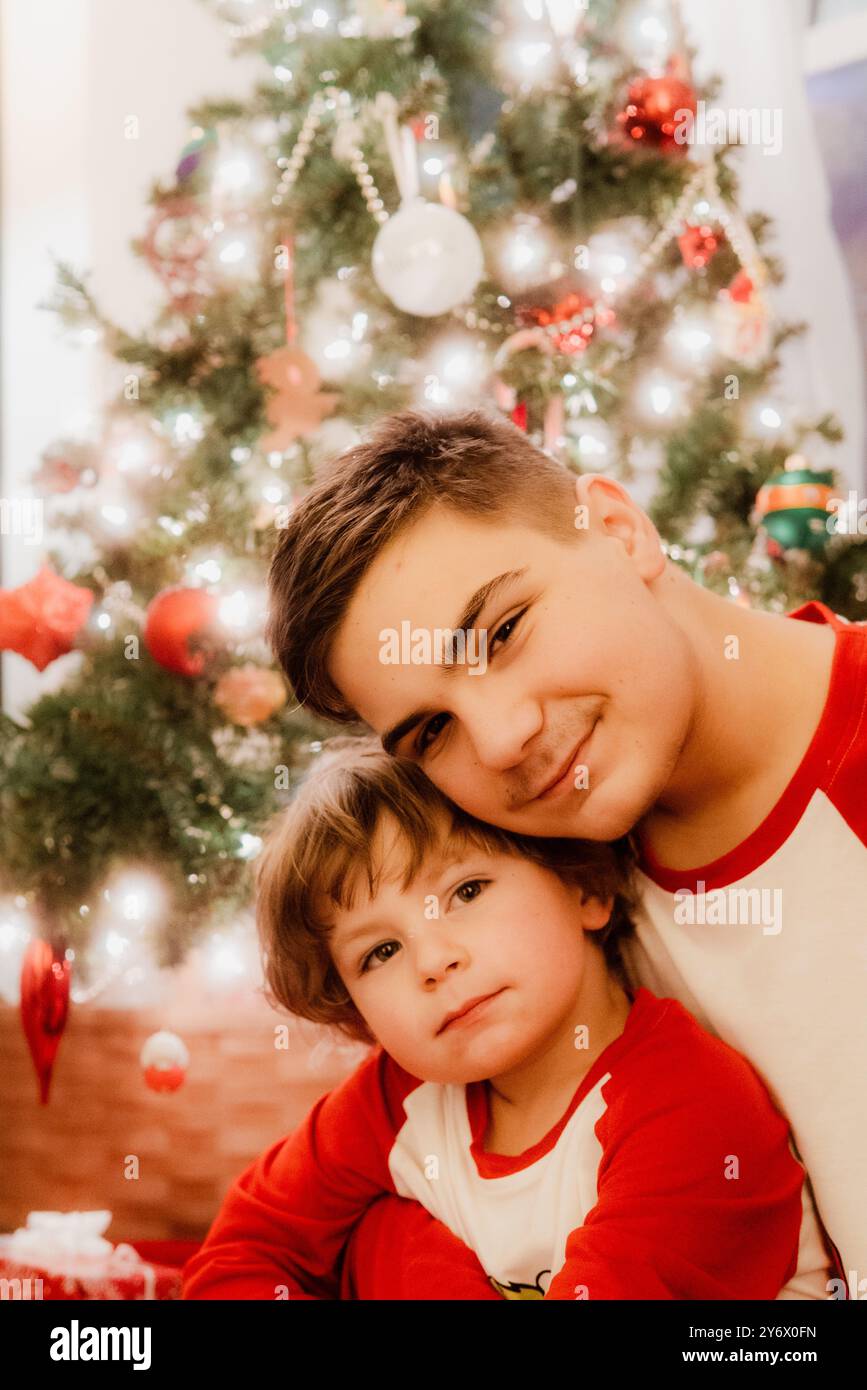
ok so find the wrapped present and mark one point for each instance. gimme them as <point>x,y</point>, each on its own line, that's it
<point>64,1255</point>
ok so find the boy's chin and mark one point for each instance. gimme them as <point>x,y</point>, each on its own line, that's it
<point>589,819</point>
<point>461,1072</point>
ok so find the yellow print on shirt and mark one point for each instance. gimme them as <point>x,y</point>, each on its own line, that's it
<point>513,1290</point>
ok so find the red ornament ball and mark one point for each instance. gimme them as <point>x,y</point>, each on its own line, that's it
<point>173,617</point>
<point>164,1078</point>
<point>45,980</point>
<point>164,1060</point>
<point>655,108</point>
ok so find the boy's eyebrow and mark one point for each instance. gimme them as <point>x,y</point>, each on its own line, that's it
<point>439,862</point>
<point>346,939</point>
<point>466,619</point>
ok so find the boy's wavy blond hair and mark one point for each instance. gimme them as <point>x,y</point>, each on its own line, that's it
<point>319,849</point>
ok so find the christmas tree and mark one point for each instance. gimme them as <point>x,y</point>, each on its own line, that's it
<point>421,204</point>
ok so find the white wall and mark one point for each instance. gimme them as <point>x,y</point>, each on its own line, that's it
<point>758,48</point>
<point>73,186</point>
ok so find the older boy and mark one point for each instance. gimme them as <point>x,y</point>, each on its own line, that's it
<point>617,694</point>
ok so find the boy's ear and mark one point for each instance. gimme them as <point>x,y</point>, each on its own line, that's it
<point>610,511</point>
<point>595,912</point>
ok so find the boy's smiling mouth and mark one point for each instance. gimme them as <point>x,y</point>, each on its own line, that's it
<point>563,778</point>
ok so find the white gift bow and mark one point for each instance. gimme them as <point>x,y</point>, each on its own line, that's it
<point>73,1239</point>
<point>53,1235</point>
<point>57,1236</point>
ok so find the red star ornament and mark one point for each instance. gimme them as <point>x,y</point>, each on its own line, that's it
<point>41,619</point>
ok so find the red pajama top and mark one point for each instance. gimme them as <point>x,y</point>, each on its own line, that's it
<point>670,1175</point>
<point>771,952</point>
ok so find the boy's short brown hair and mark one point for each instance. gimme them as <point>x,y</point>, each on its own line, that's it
<point>470,461</point>
<point>317,849</point>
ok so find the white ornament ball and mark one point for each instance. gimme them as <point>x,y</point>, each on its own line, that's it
<point>427,258</point>
<point>164,1059</point>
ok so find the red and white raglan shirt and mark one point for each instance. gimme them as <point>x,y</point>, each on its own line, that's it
<point>670,1176</point>
<point>767,948</point>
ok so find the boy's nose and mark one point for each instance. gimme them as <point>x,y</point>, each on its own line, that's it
<point>436,955</point>
<point>500,730</point>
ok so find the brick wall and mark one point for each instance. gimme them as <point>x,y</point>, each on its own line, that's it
<point>241,1093</point>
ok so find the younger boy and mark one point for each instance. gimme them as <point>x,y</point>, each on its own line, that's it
<point>585,1141</point>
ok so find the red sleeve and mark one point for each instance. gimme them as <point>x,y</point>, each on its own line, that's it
<point>842,755</point>
<point>284,1222</point>
<point>668,1223</point>
<point>399,1251</point>
<point>847,772</point>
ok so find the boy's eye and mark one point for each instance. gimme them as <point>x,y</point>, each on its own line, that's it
<point>373,955</point>
<point>423,743</point>
<point>434,726</point>
<point>506,629</point>
<point>470,889</point>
